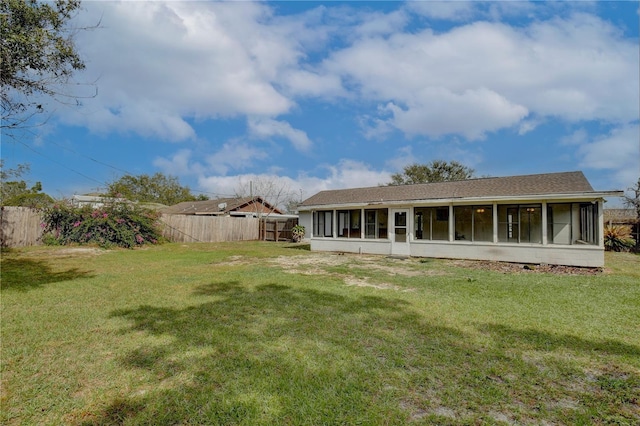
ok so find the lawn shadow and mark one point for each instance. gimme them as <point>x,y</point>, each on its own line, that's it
<point>280,354</point>
<point>300,246</point>
<point>29,274</point>
<point>544,341</point>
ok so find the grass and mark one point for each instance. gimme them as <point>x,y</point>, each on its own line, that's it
<point>264,333</point>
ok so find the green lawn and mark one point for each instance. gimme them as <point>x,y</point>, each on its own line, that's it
<point>271,334</point>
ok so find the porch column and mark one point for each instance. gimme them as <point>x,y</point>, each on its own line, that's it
<point>545,222</point>
<point>600,205</point>
<point>452,225</point>
<point>495,223</point>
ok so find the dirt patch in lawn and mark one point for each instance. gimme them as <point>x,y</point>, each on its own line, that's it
<point>317,263</point>
<point>63,252</point>
<point>522,268</point>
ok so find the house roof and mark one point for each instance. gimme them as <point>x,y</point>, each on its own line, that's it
<point>493,187</point>
<point>219,206</point>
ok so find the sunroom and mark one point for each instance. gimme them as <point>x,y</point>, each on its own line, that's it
<point>549,218</point>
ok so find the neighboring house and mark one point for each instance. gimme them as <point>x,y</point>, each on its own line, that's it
<point>246,206</point>
<point>554,218</point>
<point>94,201</point>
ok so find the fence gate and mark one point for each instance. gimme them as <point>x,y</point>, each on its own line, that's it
<point>275,229</point>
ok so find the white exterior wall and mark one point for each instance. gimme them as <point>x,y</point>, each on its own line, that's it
<point>351,245</point>
<point>586,256</point>
<point>304,219</point>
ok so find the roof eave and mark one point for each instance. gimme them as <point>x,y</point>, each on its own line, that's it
<point>471,200</point>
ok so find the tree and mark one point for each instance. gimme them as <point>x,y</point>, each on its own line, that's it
<point>274,191</point>
<point>633,201</point>
<point>38,56</point>
<point>435,171</point>
<point>14,191</point>
<point>158,188</point>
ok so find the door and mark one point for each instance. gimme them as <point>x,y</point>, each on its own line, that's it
<point>400,232</point>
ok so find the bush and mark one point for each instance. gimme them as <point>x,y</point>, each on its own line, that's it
<point>618,238</point>
<point>119,224</point>
<point>297,233</point>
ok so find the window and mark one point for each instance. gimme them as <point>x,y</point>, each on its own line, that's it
<point>520,223</point>
<point>431,223</point>
<point>349,223</point>
<point>572,223</point>
<point>323,223</point>
<point>375,225</point>
<point>473,223</point>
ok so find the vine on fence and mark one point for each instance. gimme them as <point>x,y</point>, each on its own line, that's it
<point>120,224</point>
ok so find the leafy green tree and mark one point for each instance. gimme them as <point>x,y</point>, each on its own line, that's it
<point>14,191</point>
<point>158,188</point>
<point>38,56</point>
<point>435,171</point>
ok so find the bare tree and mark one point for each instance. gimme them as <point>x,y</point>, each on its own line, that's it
<point>270,189</point>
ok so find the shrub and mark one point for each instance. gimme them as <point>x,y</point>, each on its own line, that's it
<point>116,224</point>
<point>297,233</point>
<point>618,238</point>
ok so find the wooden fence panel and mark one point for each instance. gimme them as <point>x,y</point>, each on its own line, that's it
<point>274,229</point>
<point>189,228</point>
<point>20,227</point>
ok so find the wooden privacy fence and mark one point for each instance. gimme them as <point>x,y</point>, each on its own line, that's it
<point>274,229</point>
<point>209,229</point>
<point>20,227</point>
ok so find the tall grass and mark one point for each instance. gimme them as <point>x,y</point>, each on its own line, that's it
<point>262,334</point>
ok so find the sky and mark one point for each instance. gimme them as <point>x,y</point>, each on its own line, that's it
<point>341,94</point>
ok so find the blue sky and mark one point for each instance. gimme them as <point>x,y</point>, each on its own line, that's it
<point>325,95</point>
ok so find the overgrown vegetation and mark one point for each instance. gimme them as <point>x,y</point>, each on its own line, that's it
<point>258,333</point>
<point>618,238</point>
<point>119,224</point>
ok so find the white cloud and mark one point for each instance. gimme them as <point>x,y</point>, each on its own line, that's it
<point>618,152</point>
<point>179,164</point>
<point>528,125</point>
<point>578,137</point>
<point>267,128</point>
<point>444,10</point>
<point>162,62</point>
<point>482,77</point>
<point>381,24</point>
<point>471,113</point>
<point>345,174</point>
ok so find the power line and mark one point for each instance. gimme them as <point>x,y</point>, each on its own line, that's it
<point>218,195</point>
<point>59,163</point>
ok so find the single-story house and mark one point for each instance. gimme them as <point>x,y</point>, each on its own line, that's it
<point>554,218</point>
<point>242,206</point>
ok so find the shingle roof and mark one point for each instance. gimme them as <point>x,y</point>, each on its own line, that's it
<point>219,206</point>
<point>550,183</point>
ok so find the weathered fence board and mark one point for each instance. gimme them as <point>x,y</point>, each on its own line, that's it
<point>273,229</point>
<point>20,227</point>
<point>189,228</point>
